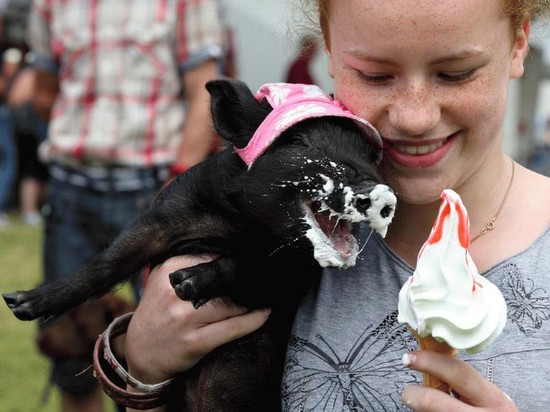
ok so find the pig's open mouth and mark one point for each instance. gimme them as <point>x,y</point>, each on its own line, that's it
<point>330,232</point>
<point>330,235</point>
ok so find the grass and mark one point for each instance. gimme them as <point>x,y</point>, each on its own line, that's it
<point>23,371</point>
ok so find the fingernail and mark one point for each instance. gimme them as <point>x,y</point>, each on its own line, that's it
<point>407,359</point>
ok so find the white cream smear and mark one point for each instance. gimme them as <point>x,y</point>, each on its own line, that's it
<point>341,249</point>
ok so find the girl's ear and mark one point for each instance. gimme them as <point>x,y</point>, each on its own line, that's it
<point>520,49</point>
<point>235,111</point>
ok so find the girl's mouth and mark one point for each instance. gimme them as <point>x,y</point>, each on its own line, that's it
<point>419,150</point>
<point>418,154</point>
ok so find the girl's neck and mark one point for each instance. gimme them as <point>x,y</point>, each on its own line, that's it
<point>482,194</point>
<point>410,229</point>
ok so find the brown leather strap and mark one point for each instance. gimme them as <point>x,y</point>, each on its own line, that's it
<point>113,384</point>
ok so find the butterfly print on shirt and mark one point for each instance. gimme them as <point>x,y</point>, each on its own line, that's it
<point>528,305</point>
<point>369,377</point>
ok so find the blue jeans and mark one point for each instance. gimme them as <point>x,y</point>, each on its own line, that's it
<point>80,223</point>
<point>8,157</point>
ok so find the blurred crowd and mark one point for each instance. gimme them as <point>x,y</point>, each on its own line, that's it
<point>22,175</point>
<point>102,103</point>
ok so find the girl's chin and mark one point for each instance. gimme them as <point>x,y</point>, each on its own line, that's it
<point>416,189</point>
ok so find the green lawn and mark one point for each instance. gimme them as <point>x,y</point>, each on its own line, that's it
<point>23,371</point>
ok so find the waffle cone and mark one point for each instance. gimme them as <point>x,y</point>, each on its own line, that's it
<point>429,343</point>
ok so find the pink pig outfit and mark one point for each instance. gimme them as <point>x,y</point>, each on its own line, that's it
<point>293,103</point>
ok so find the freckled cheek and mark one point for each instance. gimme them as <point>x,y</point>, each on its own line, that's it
<point>480,112</point>
<point>463,107</point>
<point>358,98</point>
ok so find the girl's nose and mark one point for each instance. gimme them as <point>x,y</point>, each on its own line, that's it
<point>415,111</point>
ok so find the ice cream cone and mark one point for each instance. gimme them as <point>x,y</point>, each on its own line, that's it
<point>446,294</point>
<point>429,343</point>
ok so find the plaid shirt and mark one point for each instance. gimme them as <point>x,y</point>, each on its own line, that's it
<point>119,64</point>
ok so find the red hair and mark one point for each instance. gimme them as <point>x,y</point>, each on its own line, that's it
<point>517,10</point>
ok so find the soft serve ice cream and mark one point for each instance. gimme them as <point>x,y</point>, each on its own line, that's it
<point>446,298</point>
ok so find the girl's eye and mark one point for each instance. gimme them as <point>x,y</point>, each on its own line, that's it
<point>457,77</point>
<point>374,78</point>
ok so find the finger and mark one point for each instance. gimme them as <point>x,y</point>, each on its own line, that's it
<point>423,399</point>
<point>469,384</point>
<point>182,314</point>
<point>178,262</point>
<point>215,311</point>
<point>160,293</point>
<point>158,281</point>
<point>219,333</point>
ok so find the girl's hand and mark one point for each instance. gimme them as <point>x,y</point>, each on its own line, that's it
<point>472,391</point>
<point>167,335</point>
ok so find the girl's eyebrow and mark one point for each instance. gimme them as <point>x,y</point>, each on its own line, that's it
<point>462,55</point>
<point>365,56</point>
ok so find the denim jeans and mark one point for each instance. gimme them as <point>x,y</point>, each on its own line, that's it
<point>27,123</point>
<point>8,157</point>
<point>29,132</point>
<point>79,223</point>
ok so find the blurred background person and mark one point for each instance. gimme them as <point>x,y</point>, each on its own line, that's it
<point>540,157</point>
<point>29,131</point>
<point>13,48</point>
<point>14,14</point>
<point>11,59</point>
<point>299,70</point>
<point>122,84</point>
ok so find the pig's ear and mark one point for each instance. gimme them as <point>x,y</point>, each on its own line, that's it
<point>235,111</point>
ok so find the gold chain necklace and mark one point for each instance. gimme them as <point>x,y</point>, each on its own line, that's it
<point>491,225</point>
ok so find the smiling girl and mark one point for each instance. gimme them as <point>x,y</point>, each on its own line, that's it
<point>432,76</point>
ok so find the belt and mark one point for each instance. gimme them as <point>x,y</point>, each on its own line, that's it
<point>112,178</point>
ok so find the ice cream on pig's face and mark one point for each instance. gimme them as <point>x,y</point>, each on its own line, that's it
<point>447,298</point>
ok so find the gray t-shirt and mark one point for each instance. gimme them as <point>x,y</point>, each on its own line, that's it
<point>346,347</point>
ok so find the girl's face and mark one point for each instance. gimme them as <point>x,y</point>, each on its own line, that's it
<point>432,76</point>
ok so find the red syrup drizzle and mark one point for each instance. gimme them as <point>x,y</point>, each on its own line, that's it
<point>463,229</point>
